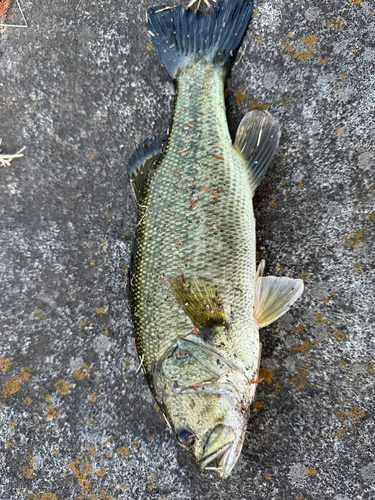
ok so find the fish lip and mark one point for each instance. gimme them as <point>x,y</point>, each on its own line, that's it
<point>221,452</point>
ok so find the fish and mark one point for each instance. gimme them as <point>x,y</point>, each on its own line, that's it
<point>197,298</point>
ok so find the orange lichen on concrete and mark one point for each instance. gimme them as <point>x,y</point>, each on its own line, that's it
<point>340,433</point>
<point>11,387</point>
<point>288,47</point>
<point>81,475</point>
<point>100,473</point>
<point>63,387</point>
<point>93,397</point>
<point>311,471</point>
<point>304,277</point>
<point>356,1</point>
<point>51,412</point>
<point>325,300</point>
<point>304,55</point>
<point>81,373</point>
<point>38,314</point>
<point>102,310</point>
<point>305,347</point>
<point>358,236</point>
<point>268,477</point>
<point>91,450</point>
<point>299,328</point>
<point>322,61</point>
<point>338,335</point>
<point>266,374</point>
<point>319,318</point>
<point>108,441</point>
<point>357,413</point>
<point>90,154</point>
<point>370,368</point>
<point>309,40</point>
<point>257,405</point>
<point>28,472</point>
<point>300,379</point>
<point>9,443</point>
<point>42,496</point>
<point>335,24</point>
<point>358,268</point>
<point>242,97</point>
<point>123,450</point>
<point>256,12</point>
<point>24,374</point>
<point>28,401</point>
<point>5,363</point>
<point>341,415</point>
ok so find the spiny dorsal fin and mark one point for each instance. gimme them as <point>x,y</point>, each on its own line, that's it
<point>140,163</point>
<point>200,299</point>
<point>273,297</point>
<point>257,139</point>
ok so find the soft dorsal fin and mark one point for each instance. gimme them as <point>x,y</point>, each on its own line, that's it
<point>200,299</point>
<point>273,297</point>
<point>140,163</point>
<point>257,139</point>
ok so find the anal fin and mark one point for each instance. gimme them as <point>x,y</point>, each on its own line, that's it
<point>141,162</point>
<point>257,139</point>
<point>273,297</point>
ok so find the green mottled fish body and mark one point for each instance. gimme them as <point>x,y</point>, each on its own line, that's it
<point>197,300</point>
<point>214,238</point>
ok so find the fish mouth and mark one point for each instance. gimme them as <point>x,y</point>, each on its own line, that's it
<point>223,461</point>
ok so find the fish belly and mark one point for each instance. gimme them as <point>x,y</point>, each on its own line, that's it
<point>198,221</point>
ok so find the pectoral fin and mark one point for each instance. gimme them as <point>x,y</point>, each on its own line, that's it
<point>201,301</point>
<point>273,297</point>
<point>257,139</point>
<point>141,162</point>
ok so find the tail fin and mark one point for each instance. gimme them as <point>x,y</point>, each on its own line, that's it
<point>183,36</point>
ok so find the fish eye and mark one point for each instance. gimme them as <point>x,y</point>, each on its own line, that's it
<point>185,437</point>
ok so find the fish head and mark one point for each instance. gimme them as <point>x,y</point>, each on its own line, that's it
<point>210,427</point>
<point>207,406</point>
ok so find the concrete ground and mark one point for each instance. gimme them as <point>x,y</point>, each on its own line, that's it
<point>79,87</point>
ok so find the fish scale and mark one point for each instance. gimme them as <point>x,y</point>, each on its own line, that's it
<point>225,254</point>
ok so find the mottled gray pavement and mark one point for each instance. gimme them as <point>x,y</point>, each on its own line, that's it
<point>79,87</point>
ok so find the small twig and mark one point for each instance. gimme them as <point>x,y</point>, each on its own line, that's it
<point>6,159</point>
<point>162,10</point>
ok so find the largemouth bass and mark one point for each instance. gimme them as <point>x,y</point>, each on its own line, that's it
<point>197,299</point>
